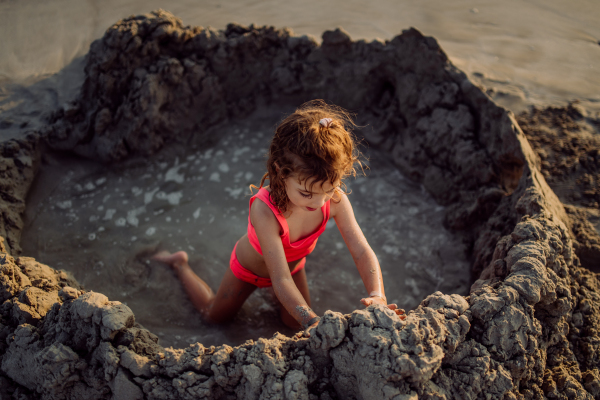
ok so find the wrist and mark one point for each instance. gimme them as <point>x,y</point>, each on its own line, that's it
<point>310,322</point>
<point>305,316</point>
<point>374,294</point>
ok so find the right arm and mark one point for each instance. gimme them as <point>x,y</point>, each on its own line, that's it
<point>267,230</point>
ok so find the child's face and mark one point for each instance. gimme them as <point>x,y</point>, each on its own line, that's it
<point>302,196</point>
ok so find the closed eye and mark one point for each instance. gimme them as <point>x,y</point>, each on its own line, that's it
<point>305,195</point>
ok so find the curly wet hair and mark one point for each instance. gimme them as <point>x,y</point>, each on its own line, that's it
<point>304,148</point>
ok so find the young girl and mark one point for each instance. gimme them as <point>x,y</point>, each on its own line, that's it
<point>310,155</point>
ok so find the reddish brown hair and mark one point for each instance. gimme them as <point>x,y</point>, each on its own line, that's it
<point>304,148</point>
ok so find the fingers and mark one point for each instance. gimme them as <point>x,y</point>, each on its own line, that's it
<point>394,307</point>
<point>367,302</point>
<point>400,313</point>
<point>310,328</point>
<point>306,333</point>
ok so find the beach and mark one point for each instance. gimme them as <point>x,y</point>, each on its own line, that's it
<point>527,52</point>
<point>459,188</point>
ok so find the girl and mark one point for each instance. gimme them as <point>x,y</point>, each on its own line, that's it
<point>310,155</point>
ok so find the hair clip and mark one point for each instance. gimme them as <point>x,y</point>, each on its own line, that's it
<point>326,122</point>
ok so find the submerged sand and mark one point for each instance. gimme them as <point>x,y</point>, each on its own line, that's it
<point>527,329</point>
<point>102,224</point>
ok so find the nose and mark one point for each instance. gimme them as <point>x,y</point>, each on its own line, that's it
<point>319,201</point>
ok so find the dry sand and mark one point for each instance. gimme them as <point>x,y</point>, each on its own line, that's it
<point>523,52</point>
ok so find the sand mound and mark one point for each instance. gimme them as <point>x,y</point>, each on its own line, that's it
<point>528,329</point>
<point>567,143</point>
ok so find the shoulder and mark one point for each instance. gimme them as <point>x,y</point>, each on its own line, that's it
<point>260,209</point>
<point>340,203</point>
<point>262,216</point>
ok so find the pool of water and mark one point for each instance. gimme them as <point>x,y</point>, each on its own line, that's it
<point>102,222</point>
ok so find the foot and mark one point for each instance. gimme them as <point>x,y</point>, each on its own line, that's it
<point>174,260</point>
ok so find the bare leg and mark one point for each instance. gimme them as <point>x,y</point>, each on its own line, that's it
<point>302,285</point>
<point>217,308</point>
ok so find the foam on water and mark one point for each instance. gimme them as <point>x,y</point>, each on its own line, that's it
<point>102,224</point>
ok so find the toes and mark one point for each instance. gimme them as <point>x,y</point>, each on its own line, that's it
<point>182,256</point>
<point>178,258</point>
<point>161,255</point>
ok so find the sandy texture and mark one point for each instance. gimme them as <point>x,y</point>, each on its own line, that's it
<point>528,329</point>
<point>175,81</point>
<point>567,143</point>
<point>524,52</point>
<point>19,159</point>
<point>197,200</point>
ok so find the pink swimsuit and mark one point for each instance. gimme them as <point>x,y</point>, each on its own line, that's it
<point>293,251</point>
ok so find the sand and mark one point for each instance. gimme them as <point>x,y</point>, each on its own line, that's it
<point>542,50</point>
<point>566,141</point>
<point>197,200</point>
<point>528,328</point>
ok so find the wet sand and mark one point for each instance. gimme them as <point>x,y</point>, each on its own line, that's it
<point>101,223</point>
<point>528,327</point>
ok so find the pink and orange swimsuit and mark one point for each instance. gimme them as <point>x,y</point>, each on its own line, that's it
<point>293,251</point>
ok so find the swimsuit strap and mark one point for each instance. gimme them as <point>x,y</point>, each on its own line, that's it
<point>265,196</point>
<point>298,249</point>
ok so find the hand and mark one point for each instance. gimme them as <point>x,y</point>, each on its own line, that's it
<point>306,332</point>
<point>367,301</point>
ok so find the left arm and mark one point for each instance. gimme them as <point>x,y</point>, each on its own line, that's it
<point>362,254</point>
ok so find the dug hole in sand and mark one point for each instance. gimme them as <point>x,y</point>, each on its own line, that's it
<point>528,327</point>
<point>197,201</point>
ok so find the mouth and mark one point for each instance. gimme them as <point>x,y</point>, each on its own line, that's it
<point>311,209</point>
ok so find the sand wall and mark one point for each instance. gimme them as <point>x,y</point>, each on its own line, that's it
<point>528,329</point>
<point>19,161</point>
<point>566,141</point>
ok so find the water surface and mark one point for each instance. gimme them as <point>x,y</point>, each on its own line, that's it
<point>102,222</point>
